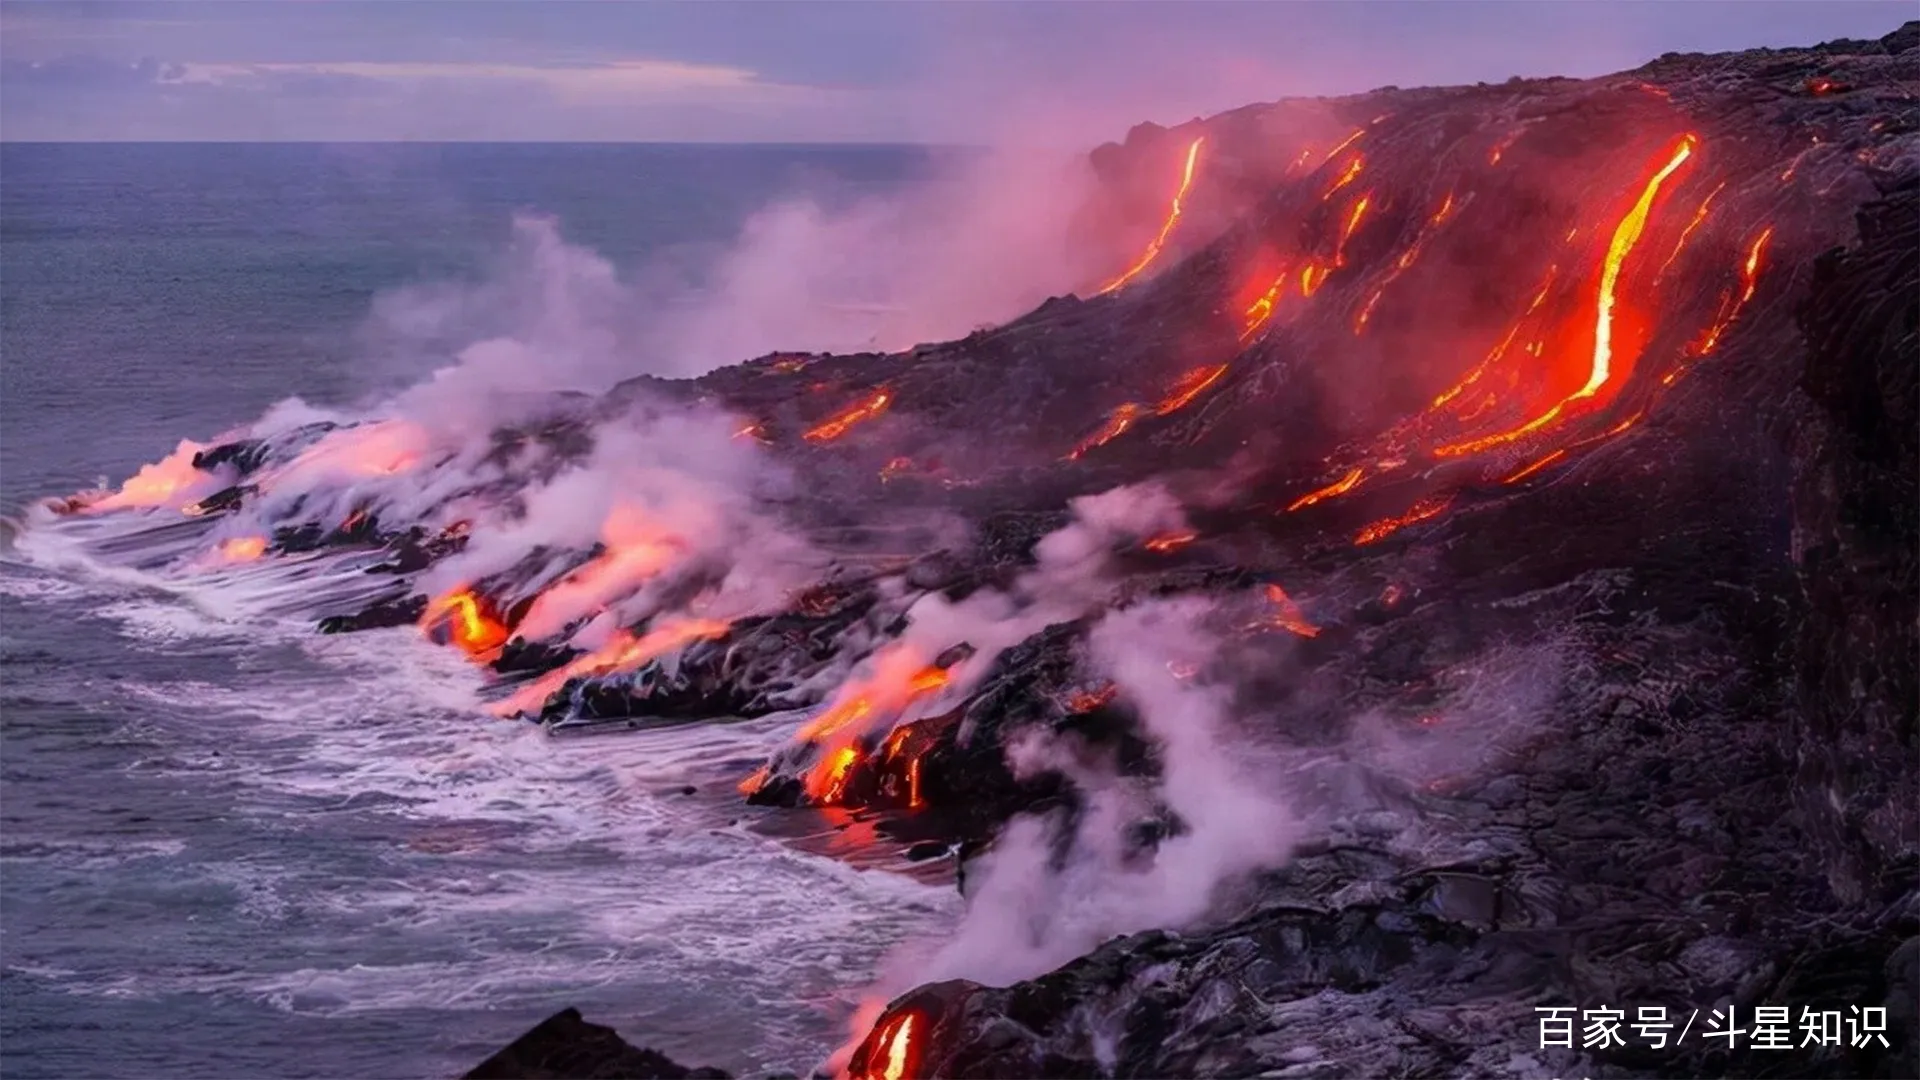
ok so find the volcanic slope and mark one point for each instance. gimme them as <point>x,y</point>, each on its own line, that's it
<point>1513,485</point>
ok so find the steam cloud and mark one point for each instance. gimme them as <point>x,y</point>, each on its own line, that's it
<point>1030,912</point>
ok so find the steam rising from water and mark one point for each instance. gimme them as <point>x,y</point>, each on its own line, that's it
<point>983,238</point>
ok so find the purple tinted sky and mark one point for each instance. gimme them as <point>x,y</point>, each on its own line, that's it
<point>798,71</point>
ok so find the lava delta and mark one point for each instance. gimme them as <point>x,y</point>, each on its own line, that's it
<point>1522,475</point>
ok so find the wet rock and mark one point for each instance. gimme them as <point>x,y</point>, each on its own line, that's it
<point>565,1046</point>
<point>244,456</point>
<point>401,610</point>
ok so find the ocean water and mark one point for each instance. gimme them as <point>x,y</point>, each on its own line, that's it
<point>230,847</point>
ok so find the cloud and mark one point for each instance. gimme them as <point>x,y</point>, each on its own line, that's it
<point>88,96</point>
<point>625,79</point>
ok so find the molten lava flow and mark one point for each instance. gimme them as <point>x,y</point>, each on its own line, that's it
<point>353,520</point>
<point>1310,278</point>
<point>243,548</point>
<point>894,1051</point>
<point>1730,307</point>
<point>1338,487</point>
<point>1625,235</point>
<point>472,627</point>
<point>1173,541</point>
<point>1118,421</point>
<point>827,782</point>
<point>1529,470</point>
<point>914,801</point>
<point>637,549</point>
<point>1085,701</point>
<point>1287,614</point>
<point>1679,245</point>
<point>1750,272</point>
<point>171,481</point>
<point>1405,261</point>
<point>383,448</point>
<point>1344,143</point>
<point>1500,148</point>
<point>1261,310</point>
<point>1190,386</point>
<point>1354,215</point>
<point>625,652</point>
<point>1166,229</point>
<point>838,425</point>
<point>896,467</point>
<point>1346,176</point>
<point>898,680</point>
<point>753,781</point>
<point>1421,511</point>
<point>1499,350</point>
<point>751,431</point>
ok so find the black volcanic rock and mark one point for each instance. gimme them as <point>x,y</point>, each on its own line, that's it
<point>1721,809</point>
<point>397,610</point>
<point>566,1047</point>
<point>1856,520</point>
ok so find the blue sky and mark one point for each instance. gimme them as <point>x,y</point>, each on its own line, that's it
<point>795,71</point>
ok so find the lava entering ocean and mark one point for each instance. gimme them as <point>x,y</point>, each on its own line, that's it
<point>1430,378</point>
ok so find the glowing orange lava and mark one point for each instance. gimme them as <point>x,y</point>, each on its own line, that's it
<point>1338,487</point>
<point>471,625</point>
<point>1354,215</point>
<point>827,782</point>
<point>895,683</point>
<point>896,467</point>
<point>1166,229</point>
<point>382,448</point>
<point>1261,310</point>
<point>1085,701</point>
<point>1420,511</point>
<point>243,548</point>
<point>1535,467</point>
<point>1346,176</point>
<point>754,780</point>
<point>171,481</point>
<point>838,425</point>
<point>1173,541</point>
<point>895,1042</point>
<point>1287,614</point>
<point>1500,148</point>
<point>1499,350</point>
<point>1731,307</point>
<point>1189,386</point>
<point>1118,421</point>
<point>1698,216</point>
<point>637,548</point>
<point>1404,262</point>
<point>1625,235</point>
<point>1344,143</point>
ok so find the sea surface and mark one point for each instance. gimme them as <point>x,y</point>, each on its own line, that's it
<point>232,848</point>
